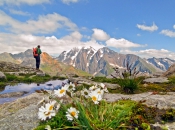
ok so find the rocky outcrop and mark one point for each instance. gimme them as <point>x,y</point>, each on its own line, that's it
<point>20,114</point>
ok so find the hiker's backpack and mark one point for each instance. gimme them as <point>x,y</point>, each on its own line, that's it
<point>35,52</point>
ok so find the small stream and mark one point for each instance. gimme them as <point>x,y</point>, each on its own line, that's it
<point>29,88</point>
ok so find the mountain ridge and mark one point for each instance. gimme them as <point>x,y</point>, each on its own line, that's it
<point>100,62</point>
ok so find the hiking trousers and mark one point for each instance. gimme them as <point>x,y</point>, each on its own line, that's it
<point>37,61</point>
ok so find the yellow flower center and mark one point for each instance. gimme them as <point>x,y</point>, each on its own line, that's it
<point>62,91</point>
<point>51,107</point>
<point>73,113</point>
<point>47,113</point>
<point>94,98</point>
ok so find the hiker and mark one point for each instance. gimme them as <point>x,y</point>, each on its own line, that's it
<point>36,54</point>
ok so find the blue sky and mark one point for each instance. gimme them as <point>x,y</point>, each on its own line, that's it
<point>145,28</point>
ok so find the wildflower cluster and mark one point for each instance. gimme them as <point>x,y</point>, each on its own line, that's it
<point>50,108</point>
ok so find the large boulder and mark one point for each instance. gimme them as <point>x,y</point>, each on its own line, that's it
<point>2,75</point>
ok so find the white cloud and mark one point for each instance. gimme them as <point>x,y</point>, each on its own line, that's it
<point>174,26</point>
<point>100,35</point>
<point>13,43</point>
<point>148,28</point>
<point>19,2</point>
<point>149,53</point>
<point>69,1</point>
<point>75,36</point>
<point>121,43</point>
<point>168,33</point>
<point>18,12</point>
<point>45,24</point>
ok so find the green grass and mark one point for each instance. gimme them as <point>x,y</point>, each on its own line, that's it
<point>102,116</point>
<point>138,85</point>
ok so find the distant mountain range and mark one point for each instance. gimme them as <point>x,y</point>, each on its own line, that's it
<point>101,62</point>
<point>82,61</point>
<point>161,63</point>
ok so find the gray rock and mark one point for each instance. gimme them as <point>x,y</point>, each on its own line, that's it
<point>40,73</point>
<point>2,75</point>
<point>156,80</point>
<point>161,101</point>
<point>12,94</point>
<point>112,86</point>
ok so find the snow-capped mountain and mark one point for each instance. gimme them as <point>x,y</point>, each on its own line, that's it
<point>161,63</point>
<point>101,62</point>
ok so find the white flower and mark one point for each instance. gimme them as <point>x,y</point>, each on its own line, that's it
<point>93,87</point>
<point>95,97</point>
<point>72,86</point>
<point>72,113</point>
<point>45,113</point>
<point>50,106</point>
<point>102,85</point>
<point>99,92</point>
<point>85,93</point>
<point>61,92</point>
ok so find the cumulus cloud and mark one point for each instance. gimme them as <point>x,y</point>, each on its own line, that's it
<point>19,2</point>
<point>75,36</point>
<point>148,28</point>
<point>168,33</point>
<point>69,1</point>
<point>18,12</point>
<point>121,43</point>
<point>13,43</point>
<point>100,35</point>
<point>174,26</point>
<point>149,53</point>
<point>44,24</point>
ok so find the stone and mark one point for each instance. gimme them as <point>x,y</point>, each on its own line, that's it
<point>156,80</point>
<point>2,75</point>
<point>112,86</point>
<point>40,73</point>
<point>161,101</point>
<point>12,94</point>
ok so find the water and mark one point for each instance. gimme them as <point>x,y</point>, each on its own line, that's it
<point>30,88</point>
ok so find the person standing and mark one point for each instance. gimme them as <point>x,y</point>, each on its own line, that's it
<point>36,53</point>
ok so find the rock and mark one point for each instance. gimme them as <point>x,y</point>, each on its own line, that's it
<point>112,86</point>
<point>161,101</point>
<point>12,94</point>
<point>156,80</point>
<point>40,73</point>
<point>2,75</point>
